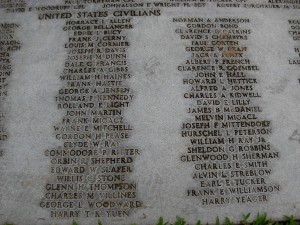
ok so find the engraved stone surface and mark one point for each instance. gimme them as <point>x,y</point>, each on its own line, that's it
<point>123,111</point>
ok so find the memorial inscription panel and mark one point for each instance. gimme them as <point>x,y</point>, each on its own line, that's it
<point>123,111</point>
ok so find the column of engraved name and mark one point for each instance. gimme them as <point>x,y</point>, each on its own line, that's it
<point>227,138</point>
<point>294,31</point>
<point>8,44</point>
<point>93,165</point>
